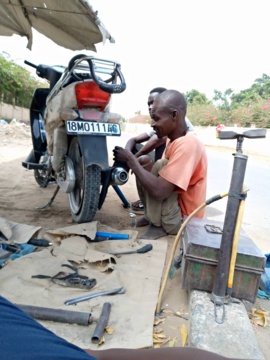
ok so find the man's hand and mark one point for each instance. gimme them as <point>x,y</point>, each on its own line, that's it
<point>121,154</point>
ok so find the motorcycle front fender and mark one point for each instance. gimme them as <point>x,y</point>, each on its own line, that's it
<point>94,149</point>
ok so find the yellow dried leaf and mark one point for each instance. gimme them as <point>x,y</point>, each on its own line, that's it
<point>166,341</point>
<point>102,341</point>
<point>259,317</point>
<point>263,313</point>
<point>256,322</point>
<point>158,341</point>
<point>158,331</point>
<point>184,334</point>
<point>109,330</point>
<point>161,336</point>
<point>158,321</point>
<point>157,346</point>
<point>172,342</point>
<point>253,311</point>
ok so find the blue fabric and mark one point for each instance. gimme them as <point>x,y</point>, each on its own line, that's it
<point>264,286</point>
<point>262,294</point>
<point>23,338</point>
<point>25,249</point>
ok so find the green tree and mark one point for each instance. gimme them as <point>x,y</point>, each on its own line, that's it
<point>260,90</point>
<point>17,84</point>
<point>194,97</point>
<point>223,99</point>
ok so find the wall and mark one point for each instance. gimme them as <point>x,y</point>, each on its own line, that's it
<point>10,112</point>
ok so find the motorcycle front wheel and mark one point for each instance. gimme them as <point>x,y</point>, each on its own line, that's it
<point>84,198</point>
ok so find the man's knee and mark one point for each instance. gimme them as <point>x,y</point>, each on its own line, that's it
<point>158,166</point>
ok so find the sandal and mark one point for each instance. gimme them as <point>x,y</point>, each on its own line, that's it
<point>137,206</point>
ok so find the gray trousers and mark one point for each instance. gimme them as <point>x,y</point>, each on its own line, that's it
<point>166,213</point>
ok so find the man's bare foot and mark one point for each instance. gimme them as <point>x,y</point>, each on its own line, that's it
<point>138,222</point>
<point>153,233</point>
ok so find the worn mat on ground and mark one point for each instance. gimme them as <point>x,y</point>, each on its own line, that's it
<point>132,314</point>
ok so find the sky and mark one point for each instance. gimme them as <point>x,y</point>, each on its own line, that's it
<point>205,45</point>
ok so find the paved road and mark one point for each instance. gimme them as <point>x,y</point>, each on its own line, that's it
<point>256,220</point>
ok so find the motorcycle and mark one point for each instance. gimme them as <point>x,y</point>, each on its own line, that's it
<point>70,122</point>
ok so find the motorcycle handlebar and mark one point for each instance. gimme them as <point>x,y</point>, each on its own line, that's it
<point>30,64</point>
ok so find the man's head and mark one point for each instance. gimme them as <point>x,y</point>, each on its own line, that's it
<point>152,95</point>
<point>168,114</point>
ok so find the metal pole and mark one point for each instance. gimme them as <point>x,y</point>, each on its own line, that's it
<point>126,204</point>
<point>102,323</point>
<point>222,271</point>
<point>58,315</point>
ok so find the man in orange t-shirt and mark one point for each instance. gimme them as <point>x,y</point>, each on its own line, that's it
<point>176,185</point>
<point>187,168</point>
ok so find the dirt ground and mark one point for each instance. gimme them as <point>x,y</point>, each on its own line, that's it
<point>20,196</point>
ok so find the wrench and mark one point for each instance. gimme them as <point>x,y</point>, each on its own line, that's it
<point>91,296</point>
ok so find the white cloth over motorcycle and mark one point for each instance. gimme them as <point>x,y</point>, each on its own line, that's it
<point>64,99</point>
<point>132,314</point>
<point>71,24</point>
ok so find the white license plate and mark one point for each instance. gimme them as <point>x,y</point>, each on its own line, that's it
<point>92,128</point>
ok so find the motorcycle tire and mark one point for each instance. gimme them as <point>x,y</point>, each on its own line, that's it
<point>84,198</point>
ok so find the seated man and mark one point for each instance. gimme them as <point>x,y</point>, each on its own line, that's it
<point>23,338</point>
<point>176,185</point>
<point>154,146</point>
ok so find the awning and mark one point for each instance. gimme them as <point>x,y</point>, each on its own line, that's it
<point>72,24</point>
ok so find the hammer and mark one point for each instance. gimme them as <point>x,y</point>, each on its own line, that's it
<point>141,250</point>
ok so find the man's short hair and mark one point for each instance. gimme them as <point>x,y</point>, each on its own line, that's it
<point>157,90</point>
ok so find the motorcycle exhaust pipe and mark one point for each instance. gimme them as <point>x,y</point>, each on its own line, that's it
<point>119,176</point>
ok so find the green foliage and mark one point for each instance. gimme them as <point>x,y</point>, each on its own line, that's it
<point>257,113</point>
<point>17,85</point>
<point>223,99</point>
<point>203,115</point>
<point>260,90</point>
<point>248,107</point>
<point>195,97</point>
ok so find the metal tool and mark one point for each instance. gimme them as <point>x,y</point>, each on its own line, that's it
<point>58,315</point>
<point>103,236</point>
<point>91,296</point>
<point>142,250</point>
<point>102,323</point>
<point>40,242</point>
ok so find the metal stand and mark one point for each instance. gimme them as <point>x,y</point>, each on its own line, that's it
<point>126,204</point>
<point>234,199</point>
<point>49,203</point>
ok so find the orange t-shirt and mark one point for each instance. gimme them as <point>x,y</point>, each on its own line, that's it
<point>187,169</point>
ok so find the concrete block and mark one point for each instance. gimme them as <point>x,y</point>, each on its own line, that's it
<point>234,338</point>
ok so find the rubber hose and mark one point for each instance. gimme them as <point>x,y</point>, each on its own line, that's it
<point>177,237</point>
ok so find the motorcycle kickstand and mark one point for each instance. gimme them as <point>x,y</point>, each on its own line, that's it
<point>50,201</point>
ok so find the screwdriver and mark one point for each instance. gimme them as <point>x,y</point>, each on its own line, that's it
<point>40,242</point>
<point>141,250</point>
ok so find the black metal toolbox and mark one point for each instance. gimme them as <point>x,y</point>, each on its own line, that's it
<point>201,254</point>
